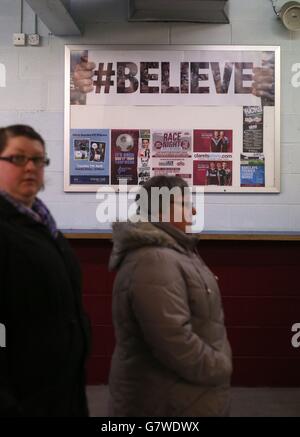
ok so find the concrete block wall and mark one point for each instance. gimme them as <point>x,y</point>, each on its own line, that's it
<point>34,94</point>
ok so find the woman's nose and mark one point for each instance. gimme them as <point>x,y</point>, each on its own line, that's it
<point>30,165</point>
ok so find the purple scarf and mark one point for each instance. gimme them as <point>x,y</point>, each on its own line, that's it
<point>38,212</point>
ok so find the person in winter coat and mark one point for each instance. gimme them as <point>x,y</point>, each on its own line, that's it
<point>47,333</point>
<point>172,356</point>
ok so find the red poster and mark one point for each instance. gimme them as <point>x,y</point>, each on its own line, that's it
<point>213,141</point>
<point>218,173</point>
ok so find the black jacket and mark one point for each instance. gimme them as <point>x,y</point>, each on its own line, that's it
<point>42,365</point>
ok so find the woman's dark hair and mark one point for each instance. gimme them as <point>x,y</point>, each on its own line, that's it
<point>159,182</point>
<point>18,130</point>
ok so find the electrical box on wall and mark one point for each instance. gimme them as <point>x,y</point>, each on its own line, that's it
<point>34,39</point>
<point>19,39</point>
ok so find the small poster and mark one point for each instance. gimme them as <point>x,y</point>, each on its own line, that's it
<point>144,157</point>
<point>218,173</point>
<point>124,152</point>
<point>172,153</point>
<point>89,156</point>
<point>252,170</point>
<point>213,141</point>
<point>253,129</point>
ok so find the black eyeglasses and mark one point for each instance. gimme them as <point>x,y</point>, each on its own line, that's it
<point>22,160</point>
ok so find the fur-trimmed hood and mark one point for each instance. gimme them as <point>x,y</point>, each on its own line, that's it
<point>128,236</point>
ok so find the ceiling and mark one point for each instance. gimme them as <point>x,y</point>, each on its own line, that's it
<point>66,17</point>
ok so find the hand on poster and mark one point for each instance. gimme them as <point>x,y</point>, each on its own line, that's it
<point>264,80</point>
<point>83,75</point>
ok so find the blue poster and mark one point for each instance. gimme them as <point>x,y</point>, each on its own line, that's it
<point>252,170</point>
<point>89,156</point>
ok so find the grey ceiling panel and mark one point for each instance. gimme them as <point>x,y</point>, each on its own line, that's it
<point>201,11</point>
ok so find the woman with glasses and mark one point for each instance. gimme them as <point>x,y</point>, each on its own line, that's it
<point>172,356</point>
<point>42,363</point>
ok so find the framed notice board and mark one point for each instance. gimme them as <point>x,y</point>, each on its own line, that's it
<point>210,114</point>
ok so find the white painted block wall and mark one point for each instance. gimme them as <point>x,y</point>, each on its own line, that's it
<point>34,95</point>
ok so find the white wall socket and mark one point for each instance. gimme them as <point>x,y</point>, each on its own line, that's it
<point>33,39</point>
<point>19,39</point>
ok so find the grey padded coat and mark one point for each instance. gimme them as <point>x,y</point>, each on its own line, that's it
<point>172,356</point>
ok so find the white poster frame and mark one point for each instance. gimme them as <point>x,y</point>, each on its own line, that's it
<point>275,188</point>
